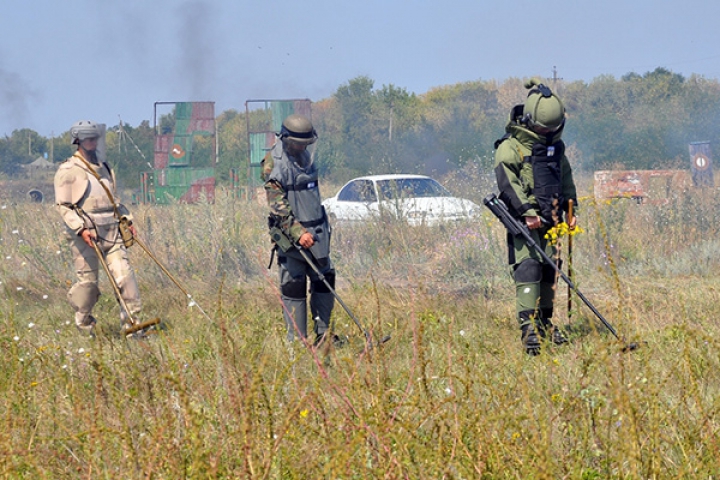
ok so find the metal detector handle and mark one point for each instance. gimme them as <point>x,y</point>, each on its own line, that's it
<point>500,210</point>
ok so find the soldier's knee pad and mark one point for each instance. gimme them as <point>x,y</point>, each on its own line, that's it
<point>83,296</point>
<point>320,287</point>
<point>528,271</point>
<point>295,288</point>
<point>548,272</point>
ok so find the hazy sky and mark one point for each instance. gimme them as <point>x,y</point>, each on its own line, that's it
<point>63,61</point>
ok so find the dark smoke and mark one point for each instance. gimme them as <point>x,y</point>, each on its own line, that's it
<point>15,97</point>
<point>196,39</point>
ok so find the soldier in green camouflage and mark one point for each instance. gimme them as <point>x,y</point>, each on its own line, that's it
<point>291,186</point>
<point>535,181</point>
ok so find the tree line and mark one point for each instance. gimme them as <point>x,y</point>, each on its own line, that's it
<point>634,122</point>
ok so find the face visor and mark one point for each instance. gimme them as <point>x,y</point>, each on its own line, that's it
<point>300,152</point>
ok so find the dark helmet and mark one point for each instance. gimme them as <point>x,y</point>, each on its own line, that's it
<point>83,130</point>
<point>298,129</point>
<point>542,107</point>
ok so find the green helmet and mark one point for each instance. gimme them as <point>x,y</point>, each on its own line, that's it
<point>299,129</point>
<point>542,107</point>
<point>83,130</point>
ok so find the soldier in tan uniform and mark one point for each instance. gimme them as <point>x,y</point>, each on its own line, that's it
<point>91,211</point>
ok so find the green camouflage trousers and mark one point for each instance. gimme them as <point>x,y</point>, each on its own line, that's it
<point>535,281</point>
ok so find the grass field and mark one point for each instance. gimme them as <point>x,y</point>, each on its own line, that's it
<point>451,395</point>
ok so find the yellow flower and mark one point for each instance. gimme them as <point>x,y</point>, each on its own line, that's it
<point>560,230</point>
<point>304,413</point>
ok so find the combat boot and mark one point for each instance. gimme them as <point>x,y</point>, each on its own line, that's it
<point>557,337</point>
<point>552,333</point>
<point>530,339</point>
<point>88,328</point>
<point>337,340</point>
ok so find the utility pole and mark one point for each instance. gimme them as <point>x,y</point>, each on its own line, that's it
<point>555,77</point>
<point>390,128</point>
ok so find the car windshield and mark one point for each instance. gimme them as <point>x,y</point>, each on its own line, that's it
<point>411,188</point>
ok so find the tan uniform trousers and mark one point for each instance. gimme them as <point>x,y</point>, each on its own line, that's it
<point>84,294</point>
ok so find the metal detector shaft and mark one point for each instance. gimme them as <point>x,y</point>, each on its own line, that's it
<point>311,262</point>
<point>134,326</point>
<point>166,272</point>
<point>498,208</point>
<point>570,265</point>
<point>116,287</point>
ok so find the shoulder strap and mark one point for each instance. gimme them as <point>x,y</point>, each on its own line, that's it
<point>92,171</point>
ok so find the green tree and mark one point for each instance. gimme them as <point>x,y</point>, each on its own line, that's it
<point>130,151</point>
<point>20,148</point>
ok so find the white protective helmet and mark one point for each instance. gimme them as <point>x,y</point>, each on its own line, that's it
<point>83,130</point>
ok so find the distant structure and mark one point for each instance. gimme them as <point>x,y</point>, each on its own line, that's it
<point>262,138</point>
<point>642,186</point>
<point>39,176</point>
<point>185,155</point>
<point>701,164</point>
<point>39,166</point>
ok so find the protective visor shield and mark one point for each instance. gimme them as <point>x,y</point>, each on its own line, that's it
<point>101,150</point>
<point>300,153</point>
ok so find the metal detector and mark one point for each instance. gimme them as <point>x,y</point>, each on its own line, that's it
<point>280,238</point>
<point>500,210</point>
<point>134,326</point>
<point>368,337</point>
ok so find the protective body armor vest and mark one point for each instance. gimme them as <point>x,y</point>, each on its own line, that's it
<point>303,193</point>
<point>547,177</point>
<point>76,186</point>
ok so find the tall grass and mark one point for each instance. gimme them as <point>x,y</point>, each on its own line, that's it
<point>451,395</point>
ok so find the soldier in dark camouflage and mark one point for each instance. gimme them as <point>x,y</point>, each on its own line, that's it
<point>535,182</point>
<point>291,185</point>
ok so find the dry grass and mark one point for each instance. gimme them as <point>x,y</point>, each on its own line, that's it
<point>450,396</point>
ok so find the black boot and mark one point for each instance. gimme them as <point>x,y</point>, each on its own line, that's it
<point>552,333</point>
<point>530,339</point>
<point>337,340</point>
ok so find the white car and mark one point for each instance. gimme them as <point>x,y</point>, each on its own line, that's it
<point>415,198</point>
